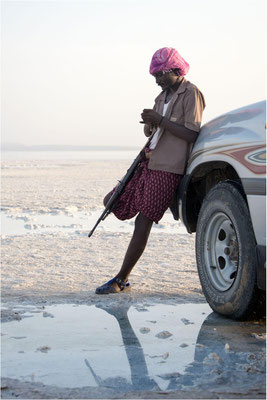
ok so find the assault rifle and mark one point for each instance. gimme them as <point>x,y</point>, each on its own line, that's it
<point>120,187</point>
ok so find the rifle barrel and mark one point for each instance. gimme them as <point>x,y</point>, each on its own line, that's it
<point>101,218</point>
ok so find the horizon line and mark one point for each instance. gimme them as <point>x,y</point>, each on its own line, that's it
<point>62,147</point>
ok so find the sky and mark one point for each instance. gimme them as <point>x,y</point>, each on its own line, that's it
<point>77,72</point>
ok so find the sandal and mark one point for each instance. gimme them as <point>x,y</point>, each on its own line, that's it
<point>107,288</point>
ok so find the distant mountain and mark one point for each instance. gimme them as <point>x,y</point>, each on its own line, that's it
<point>60,147</point>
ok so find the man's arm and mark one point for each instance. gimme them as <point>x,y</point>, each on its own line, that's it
<point>151,117</point>
<point>179,131</point>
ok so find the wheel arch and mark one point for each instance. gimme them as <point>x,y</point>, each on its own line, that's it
<point>198,183</point>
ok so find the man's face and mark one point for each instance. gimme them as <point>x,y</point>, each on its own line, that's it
<point>165,79</point>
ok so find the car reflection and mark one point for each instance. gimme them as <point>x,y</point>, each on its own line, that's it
<point>227,352</point>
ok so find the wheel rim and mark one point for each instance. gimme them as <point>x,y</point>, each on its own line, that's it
<point>221,251</point>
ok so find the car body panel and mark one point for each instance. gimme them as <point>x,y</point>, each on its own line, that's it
<point>238,138</point>
<point>246,124</point>
<point>257,206</point>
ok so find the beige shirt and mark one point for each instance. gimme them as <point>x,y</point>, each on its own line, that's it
<point>185,108</point>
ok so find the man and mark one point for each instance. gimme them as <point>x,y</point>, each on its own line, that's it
<point>173,125</point>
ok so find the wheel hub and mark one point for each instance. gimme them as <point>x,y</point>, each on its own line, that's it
<point>221,251</point>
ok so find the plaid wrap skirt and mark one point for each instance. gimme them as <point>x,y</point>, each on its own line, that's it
<point>149,192</point>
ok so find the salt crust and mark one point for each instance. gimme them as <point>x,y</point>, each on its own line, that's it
<point>63,264</point>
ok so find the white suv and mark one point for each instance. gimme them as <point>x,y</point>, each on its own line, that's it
<point>222,199</point>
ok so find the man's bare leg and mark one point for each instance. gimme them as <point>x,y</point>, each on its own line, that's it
<point>136,246</point>
<point>135,249</point>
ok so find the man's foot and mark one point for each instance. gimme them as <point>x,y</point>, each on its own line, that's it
<point>115,285</point>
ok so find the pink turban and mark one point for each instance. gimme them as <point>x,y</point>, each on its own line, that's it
<point>168,58</point>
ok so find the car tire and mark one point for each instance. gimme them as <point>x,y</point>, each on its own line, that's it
<point>226,252</point>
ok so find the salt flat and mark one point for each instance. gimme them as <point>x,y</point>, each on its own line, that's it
<point>61,340</point>
<point>38,261</point>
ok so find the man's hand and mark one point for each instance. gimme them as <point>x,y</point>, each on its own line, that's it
<point>151,117</point>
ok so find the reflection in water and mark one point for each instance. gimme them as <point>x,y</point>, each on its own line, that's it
<point>124,346</point>
<point>215,355</point>
<point>134,352</point>
<point>227,356</point>
<point>227,353</point>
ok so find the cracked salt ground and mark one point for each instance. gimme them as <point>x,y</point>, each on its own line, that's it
<point>118,347</point>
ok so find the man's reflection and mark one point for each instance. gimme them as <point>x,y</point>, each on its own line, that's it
<point>139,372</point>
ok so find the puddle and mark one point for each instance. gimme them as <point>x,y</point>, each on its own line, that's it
<point>42,223</point>
<point>79,222</point>
<point>160,347</point>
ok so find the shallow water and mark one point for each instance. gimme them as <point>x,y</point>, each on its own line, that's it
<point>78,222</point>
<point>116,342</point>
<point>123,347</point>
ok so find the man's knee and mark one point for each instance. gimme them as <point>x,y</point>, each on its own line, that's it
<point>142,220</point>
<point>142,225</point>
<point>106,198</point>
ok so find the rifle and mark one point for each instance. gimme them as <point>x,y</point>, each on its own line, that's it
<point>120,188</point>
